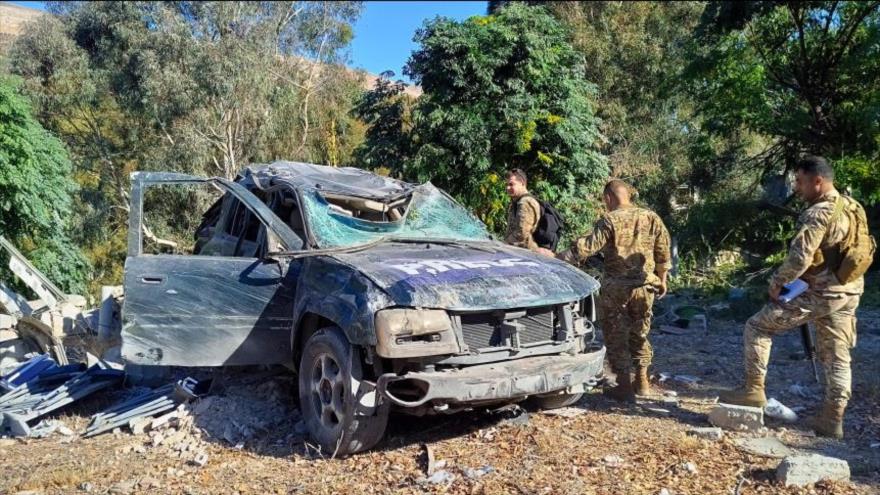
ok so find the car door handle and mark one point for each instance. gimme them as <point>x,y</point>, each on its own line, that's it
<point>151,279</point>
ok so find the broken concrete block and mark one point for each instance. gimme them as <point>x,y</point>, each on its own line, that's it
<point>201,459</point>
<point>707,433</point>
<point>139,426</point>
<point>764,447</point>
<point>806,469</point>
<point>737,418</point>
<point>163,420</point>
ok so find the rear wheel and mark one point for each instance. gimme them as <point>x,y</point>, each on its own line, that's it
<point>330,387</point>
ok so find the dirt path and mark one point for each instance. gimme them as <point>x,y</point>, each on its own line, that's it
<point>253,442</point>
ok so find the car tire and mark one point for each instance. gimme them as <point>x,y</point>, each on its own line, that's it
<point>330,379</point>
<point>554,401</point>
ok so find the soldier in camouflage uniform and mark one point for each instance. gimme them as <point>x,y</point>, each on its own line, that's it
<point>523,212</point>
<point>635,246</point>
<point>830,305</point>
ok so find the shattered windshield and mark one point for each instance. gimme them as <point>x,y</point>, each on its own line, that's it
<point>427,214</point>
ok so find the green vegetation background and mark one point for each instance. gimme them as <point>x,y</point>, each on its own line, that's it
<point>702,106</point>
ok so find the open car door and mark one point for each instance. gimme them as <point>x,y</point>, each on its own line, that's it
<point>223,302</point>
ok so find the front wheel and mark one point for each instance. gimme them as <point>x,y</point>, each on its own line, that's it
<point>554,401</point>
<point>330,386</point>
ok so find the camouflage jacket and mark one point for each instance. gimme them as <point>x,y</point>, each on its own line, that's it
<point>634,243</point>
<point>817,235</point>
<point>523,214</point>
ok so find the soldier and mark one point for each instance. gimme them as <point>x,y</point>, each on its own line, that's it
<point>828,303</point>
<point>635,245</point>
<point>523,212</point>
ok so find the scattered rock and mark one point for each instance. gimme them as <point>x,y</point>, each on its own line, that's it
<point>478,473</point>
<point>656,410</point>
<point>690,467</point>
<point>139,426</point>
<point>123,487</point>
<point>707,433</point>
<point>670,393</point>
<point>565,412</point>
<point>201,459</point>
<point>86,487</point>
<point>440,477</point>
<point>806,469</point>
<point>149,482</point>
<point>764,447</point>
<point>163,420</point>
<point>613,461</point>
<point>664,491</point>
<point>737,418</point>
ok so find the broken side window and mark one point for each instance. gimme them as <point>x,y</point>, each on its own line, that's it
<point>177,218</point>
<point>428,213</point>
<point>238,232</point>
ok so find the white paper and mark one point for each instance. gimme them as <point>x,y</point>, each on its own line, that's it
<point>792,290</point>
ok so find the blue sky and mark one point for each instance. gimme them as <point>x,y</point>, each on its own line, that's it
<point>383,34</point>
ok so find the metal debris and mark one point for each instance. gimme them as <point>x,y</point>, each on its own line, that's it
<point>152,403</point>
<point>43,394</point>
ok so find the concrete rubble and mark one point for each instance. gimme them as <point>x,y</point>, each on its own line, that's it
<point>807,469</point>
<point>737,418</point>
<point>764,447</point>
<point>707,433</point>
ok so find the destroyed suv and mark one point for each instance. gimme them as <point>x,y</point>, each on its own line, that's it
<point>380,294</point>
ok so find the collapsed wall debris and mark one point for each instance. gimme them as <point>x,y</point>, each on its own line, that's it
<point>132,411</point>
<point>48,387</point>
<point>28,328</point>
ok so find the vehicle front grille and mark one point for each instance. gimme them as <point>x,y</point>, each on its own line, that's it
<point>482,330</point>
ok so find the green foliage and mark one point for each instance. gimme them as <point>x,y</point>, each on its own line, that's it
<point>805,74</point>
<point>501,91</point>
<point>35,192</point>
<point>387,112</point>
<point>195,87</point>
<point>635,52</point>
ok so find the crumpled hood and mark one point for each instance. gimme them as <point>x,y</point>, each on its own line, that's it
<point>463,278</point>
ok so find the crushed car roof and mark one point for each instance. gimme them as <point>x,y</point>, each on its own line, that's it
<point>346,181</point>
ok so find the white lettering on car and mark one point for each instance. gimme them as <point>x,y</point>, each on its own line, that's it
<point>434,267</point>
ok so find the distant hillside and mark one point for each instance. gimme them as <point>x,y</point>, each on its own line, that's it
<point>13,18</point>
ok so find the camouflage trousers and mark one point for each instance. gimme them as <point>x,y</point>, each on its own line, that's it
<point>625,319</point>
<point>834,317</point>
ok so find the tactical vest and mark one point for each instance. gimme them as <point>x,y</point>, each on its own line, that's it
<point>855,253</point>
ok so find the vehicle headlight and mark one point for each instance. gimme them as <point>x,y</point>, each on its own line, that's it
<point>403,333</point>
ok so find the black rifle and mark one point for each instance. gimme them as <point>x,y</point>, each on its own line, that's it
<point>806,336</point>
<point>810,349</point>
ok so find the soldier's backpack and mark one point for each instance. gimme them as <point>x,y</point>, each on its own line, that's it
<point>550,226</point>
<point>857,249</point>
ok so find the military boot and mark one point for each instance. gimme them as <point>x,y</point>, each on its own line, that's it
<point>642,383</point>
<point>752,394</point>
<point>829,421</point>
<point>623,391</point>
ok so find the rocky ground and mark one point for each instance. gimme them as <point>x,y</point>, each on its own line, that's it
<point>246,438</point>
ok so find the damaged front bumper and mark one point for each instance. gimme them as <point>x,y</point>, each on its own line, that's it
<point>495,381</point>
